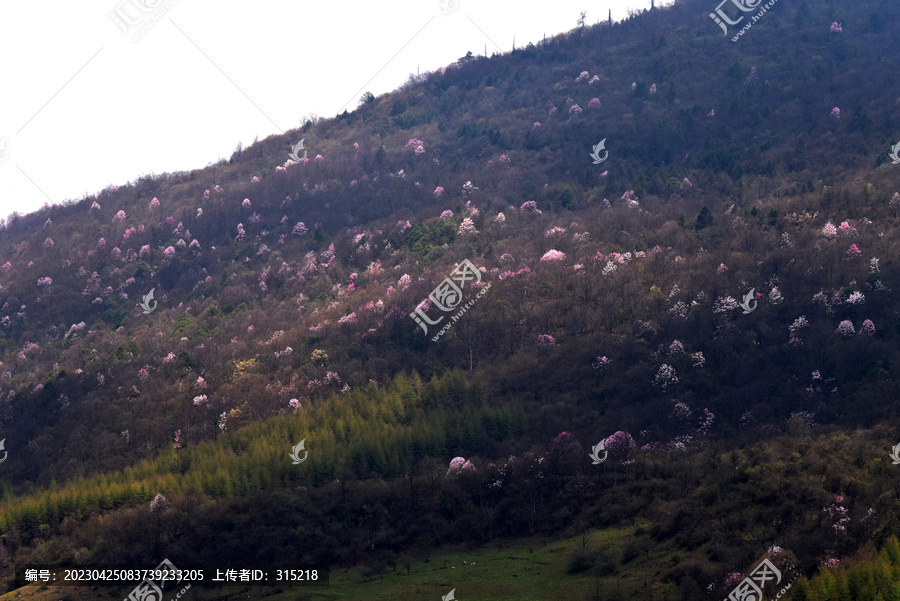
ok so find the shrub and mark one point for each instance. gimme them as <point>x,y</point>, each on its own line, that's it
<point>580,560</point>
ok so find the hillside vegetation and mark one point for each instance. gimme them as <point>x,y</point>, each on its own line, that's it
<point>755,171</point>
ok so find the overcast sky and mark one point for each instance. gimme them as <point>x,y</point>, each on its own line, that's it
<point>87,102</point>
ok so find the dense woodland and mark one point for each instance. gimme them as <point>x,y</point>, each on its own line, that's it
<point>284,293</point>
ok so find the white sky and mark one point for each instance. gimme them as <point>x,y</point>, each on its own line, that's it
<point>83,106</point>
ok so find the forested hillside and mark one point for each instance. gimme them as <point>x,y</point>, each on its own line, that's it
<point>614,307</point>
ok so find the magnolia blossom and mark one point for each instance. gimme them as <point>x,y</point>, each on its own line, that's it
<point>775,296</point>
<point>633,85</point>
<point>836,27</point>
<point>846,229</point>
<point>584,75</point>
<point>867,327</point>
<point>154,203</point>
<point>856,298</point>
<point>576,110</point>
<point>44,281</point>
<point>48,243</point>
<point>676,349</point>
<point>460,463</point>
<point>845,328</point>
<point>94,205</point>
<point>620,445</point>
<point>500,218</point>
<point>653,89</point>
<point>721,269</point>
<point>835,113</point>
<point>119,216</point>
<point>829,231</point>
<point>537,124</point>
<point>467,227</point>
<point>246,203</point>
<point>546,340</point>
<point>169,252</point>
<point>553,255</point>
<point>601,363</point>
<point>159,502</point>
<point>853,252</point>
<point>438,191</point>
<point>698,359</point>
<point>799,323</point>
<point>665,376</point>
<point>724,305</point>
<point>679,309</point>
<point>531,207</point>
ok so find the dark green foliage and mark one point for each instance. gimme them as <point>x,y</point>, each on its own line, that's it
<point>183,322</point>
<point>184,360</point>
<point>142,271</point>
<point>114,314</point>
<point>704,219</point>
